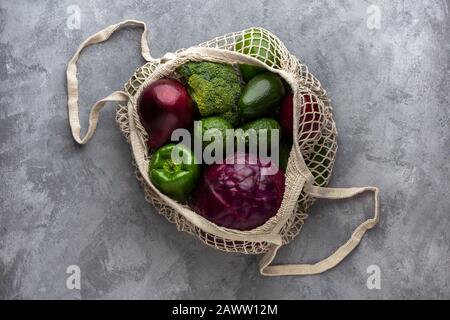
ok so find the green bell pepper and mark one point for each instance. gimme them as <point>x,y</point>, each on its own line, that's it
<point>177,179</point>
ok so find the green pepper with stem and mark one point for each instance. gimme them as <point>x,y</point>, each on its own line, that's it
<point>174,171</point>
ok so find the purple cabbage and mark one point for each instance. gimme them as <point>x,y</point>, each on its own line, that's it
<point>238,196</point>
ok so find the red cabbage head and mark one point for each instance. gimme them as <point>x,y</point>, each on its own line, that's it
<point>237,195</point>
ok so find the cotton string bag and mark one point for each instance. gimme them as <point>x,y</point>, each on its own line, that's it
<point>310,162</point>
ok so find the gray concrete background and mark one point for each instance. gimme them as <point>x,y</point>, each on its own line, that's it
<point>62,204</point>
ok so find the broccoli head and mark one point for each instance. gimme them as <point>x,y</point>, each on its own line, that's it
<point>232,117</point>
<point>214,87</point>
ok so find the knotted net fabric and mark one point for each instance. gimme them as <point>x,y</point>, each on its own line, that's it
<point>314,142</point>
<point>310,163</point>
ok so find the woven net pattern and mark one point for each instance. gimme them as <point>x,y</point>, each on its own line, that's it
<point>316,136</point>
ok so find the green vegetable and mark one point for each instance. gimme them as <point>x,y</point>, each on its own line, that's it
<point>318,163</point>
<point>176,179</point>
<point>232,117</point>
<point>261,95</point>
<point>248,71</point>
<point>267,124</point>
<point>260,45</point>
<point>214,87</point>
<point>285,152</point>
<point>216,127</point>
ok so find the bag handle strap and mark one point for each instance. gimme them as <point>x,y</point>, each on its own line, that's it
<point>336,257</point>
<point>72,82</point>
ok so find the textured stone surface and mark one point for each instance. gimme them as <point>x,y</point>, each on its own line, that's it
<point>62,204</point>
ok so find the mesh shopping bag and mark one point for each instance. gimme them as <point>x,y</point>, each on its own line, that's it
<point>310,162</point>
